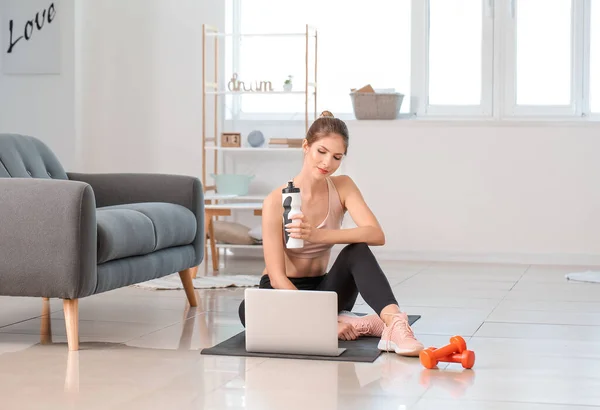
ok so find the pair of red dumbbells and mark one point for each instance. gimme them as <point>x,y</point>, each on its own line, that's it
<point>455,352</point>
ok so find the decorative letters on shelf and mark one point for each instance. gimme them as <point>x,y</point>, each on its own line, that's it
<point>236,85</point>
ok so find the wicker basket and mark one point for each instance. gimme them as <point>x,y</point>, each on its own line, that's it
<point>376,106</point>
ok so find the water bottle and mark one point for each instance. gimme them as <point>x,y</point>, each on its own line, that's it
<point>291,201</point>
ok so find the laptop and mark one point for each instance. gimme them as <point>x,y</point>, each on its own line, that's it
<point>292,322</point>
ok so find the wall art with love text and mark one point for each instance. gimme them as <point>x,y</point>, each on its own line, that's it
<point>30,36</point>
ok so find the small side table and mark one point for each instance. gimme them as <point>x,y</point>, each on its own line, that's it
<point>215,210</point>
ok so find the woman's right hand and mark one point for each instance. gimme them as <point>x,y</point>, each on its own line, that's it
<point>346,331</point>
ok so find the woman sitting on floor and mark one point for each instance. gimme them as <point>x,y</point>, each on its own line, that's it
<point>325,199</point>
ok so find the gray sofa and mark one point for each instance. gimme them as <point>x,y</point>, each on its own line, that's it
<point>71,235</point>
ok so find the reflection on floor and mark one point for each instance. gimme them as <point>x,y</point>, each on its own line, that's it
<point>536,337</point>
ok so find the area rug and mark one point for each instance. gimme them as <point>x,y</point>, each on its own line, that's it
<point>587,276</point>
<point>202,282</point>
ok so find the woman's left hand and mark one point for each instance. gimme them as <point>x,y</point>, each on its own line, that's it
<point>301,229</point>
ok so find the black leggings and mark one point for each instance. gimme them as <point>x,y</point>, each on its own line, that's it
<point>355,270</point>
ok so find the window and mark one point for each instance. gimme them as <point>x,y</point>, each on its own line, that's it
<point>455,28</point>
<point>357,45</point>
<point>542,71</point>
<point>547,58</point>
<point>543,52</point>
<point>487,58</point>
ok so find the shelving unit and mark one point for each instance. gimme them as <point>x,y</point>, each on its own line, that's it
<point>217,205</point>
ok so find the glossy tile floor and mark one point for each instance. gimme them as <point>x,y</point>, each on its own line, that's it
<point>536,338</point>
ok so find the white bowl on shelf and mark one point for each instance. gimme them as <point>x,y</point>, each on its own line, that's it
<point>232,184</point>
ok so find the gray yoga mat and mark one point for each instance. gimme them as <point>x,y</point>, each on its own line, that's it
<point>363,349</point>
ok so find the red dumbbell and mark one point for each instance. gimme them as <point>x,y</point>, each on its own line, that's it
<point>466,358</point>
<point>430,357</point>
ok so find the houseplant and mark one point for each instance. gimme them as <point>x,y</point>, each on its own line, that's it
<point>287,85</point>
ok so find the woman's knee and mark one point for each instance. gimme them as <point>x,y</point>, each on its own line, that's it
<point>360,248</point>
<point>358,254</point>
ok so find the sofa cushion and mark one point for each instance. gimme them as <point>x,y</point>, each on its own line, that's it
<point>27,157</point>
<point>142,228</point>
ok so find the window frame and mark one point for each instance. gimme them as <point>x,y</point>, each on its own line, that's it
<point>507,12</point>
<point>420,58</point>
<point>498,78</point>
<point>586,24</point>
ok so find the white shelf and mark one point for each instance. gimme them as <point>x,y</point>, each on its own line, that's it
<point>218,197</point>
<point>220,34</point>
<point>227,245</point>
<point>257,92</point>
<point>232,246</point>
<point>259,149</point>
<point>242,206</point>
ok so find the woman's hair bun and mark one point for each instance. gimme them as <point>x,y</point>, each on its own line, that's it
<point>326,114</point>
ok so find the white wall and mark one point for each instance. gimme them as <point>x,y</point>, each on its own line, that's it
<point>44,105</point>
<point>464,190</point>
<point>478,192</point>
<point>142,84</point>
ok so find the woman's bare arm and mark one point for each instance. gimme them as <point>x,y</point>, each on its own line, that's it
<point>272,231</point>
<point>368,229</point>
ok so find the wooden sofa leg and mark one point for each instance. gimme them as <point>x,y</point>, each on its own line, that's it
<point>188,286</point>
<point>71,308</point>
<point>46,323</point>
<point>194,272</point>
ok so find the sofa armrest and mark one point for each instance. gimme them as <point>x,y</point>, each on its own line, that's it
<point>126,188</point>
<point>47,238</point>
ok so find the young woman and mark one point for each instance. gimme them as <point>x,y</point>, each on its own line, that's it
<point>325,199</point>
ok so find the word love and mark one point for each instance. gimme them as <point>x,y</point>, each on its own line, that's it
<point>47,15</point>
